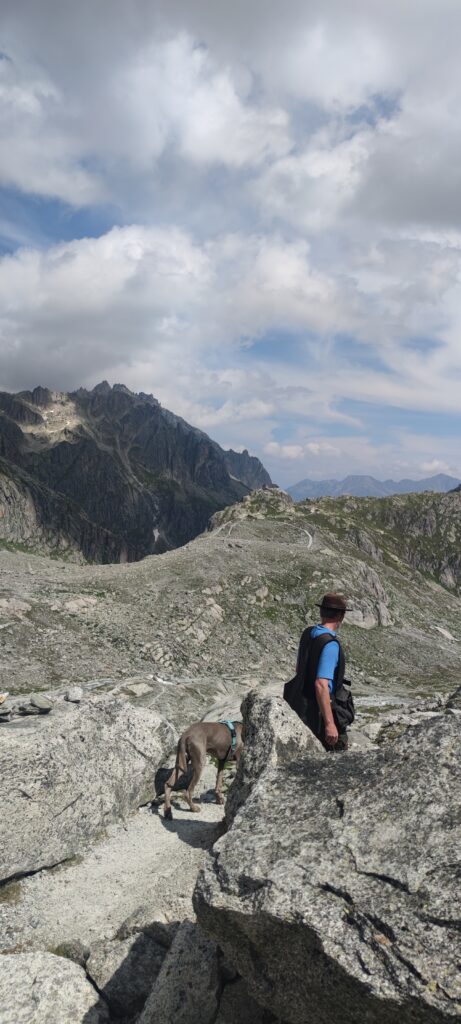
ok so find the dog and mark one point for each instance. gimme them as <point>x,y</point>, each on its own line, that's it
<point>196,742</point>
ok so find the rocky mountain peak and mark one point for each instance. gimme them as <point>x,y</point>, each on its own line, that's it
<point>110,473</point>
<point>103,388</point>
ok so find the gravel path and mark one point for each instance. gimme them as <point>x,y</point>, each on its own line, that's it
<point>144,862</point>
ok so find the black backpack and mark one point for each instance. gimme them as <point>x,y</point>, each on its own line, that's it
<point>300,691</point>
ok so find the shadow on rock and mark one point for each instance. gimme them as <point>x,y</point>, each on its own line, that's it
<point>124,971</point>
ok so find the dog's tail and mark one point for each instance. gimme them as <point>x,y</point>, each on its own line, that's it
<point>181,758</point>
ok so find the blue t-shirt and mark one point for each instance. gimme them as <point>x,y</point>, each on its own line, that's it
<point>329,657</point>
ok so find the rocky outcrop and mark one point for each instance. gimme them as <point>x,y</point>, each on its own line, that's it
<point>247,468</point>
<point>124,972</point>
<point>336,891</point>
<point>136,479</point>
<point>187,988</point>
<point>68,774</point>
<point>40,988</point>
<point>274,736</point>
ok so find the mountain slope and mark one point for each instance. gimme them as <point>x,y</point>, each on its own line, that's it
<point>368,486</point>
<point>225,612</point>
<point>110,474</point>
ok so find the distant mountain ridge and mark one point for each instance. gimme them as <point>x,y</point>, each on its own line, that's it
<point>110,474</point>
<point>368,487</point>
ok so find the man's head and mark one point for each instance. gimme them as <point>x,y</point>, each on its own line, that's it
<point>332,608</point>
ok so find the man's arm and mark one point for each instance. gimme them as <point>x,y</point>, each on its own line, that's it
<point>322,692</point>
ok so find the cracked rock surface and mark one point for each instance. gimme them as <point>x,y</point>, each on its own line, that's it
<point>39,988</point>
<point>67,775</point>
<point>336,892</point>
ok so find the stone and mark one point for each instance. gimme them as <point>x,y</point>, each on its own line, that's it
<point>124,972</point>
<point>454,700</point>
<point>138,689</point>
<point>237,1006</point>
<point>41,703</point>
<point>187,988</point>
<point>73,949</point>
<point>335,893</point>
<point>74,695</point>
<point>274,735</point>
<point>68,775</point>
<point>40,988</point>
<point>155,925</point>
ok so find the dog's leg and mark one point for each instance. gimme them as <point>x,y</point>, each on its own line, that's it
<point>179,769</point>
<point>218,786</point>
<point>198,759</point>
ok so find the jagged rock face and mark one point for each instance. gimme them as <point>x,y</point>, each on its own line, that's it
<point>247,469</point>
<point>68,774</point>
<point>274,735</point>
<point>35,517</point>
<point>336,892</point>
<point>132,478</point>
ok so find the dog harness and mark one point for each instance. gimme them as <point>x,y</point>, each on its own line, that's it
<point>231,727</point>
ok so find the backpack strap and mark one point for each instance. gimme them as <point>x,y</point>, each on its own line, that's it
<point>309,663</point>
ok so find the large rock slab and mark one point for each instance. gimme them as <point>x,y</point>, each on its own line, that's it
<point>336,892</point>
<point>124,972</point>
<point>40,988</point>
<point>187,988</point>
<point>69,774</point>
<point>274,736</point>
<point>237,1006</point>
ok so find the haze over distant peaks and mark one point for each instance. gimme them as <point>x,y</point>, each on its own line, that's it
<point>368,487</point>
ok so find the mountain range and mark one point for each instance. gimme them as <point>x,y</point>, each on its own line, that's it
<point>110,475</point>
<point>367,486</point>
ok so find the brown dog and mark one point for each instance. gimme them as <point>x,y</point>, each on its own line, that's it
<point>196,742</point>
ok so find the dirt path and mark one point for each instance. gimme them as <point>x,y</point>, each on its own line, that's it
<point>145,862</point>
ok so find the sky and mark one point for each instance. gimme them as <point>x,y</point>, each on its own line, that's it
<point>250,210</point>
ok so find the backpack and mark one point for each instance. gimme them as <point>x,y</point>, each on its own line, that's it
<point>342,705</point>
<point>300,691</point>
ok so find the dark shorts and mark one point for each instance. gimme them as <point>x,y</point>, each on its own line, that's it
<point>316,724</point>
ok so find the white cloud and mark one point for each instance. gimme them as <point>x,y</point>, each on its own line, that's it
<point>436,466</point>
<point>313,187</point>
<point>319,449</point>
<point>278,173</point>
<point>140,296</point>
<point>167,94</point>
<point>37,154</point>
<point>284,451</point>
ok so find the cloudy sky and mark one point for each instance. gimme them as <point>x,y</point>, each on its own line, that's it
<point>250,209</point>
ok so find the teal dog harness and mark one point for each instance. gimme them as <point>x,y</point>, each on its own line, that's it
<point>231,727</point>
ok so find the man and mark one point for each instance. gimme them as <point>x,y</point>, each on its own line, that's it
<point>320,672</point>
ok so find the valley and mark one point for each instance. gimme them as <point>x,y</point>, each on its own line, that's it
<point>226,610</point>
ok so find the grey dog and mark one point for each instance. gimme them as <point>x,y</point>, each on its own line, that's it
<point>196,742</point>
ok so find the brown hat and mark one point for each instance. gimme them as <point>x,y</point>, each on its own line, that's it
<point>333,603</point>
